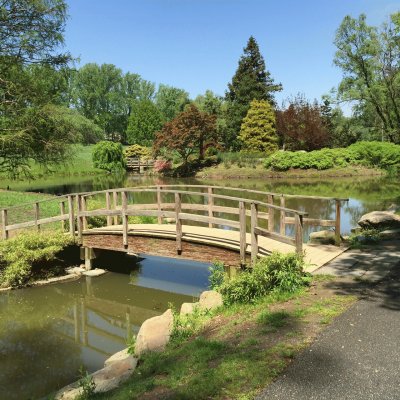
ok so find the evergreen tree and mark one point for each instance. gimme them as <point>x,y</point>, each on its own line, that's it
<point>258,132</point>
<point>251,82</point>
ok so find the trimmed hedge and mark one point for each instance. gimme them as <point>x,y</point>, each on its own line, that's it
<point>369,154</point>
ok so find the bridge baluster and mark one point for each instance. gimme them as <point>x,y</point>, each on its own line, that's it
<point>84,208</point>
<point>254,236</point>
<point>108,205</point>
<point>337,223</point>
<point>242,222</point>
<point>71,216</point>
<point>115,200</point>
<point>178,209</point>
<point>271,213</point>
<point>210,206</point>
<point>282,224</point>
<point>298,219</point>
<point>124,200</point>
<point>62,211</point>
<point>4,222</point>
<point>79,217</point>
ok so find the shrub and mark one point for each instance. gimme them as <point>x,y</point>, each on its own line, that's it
<point>370,154</point>
<point>18,254</point>
<point>162,166</point>
<point>281,272</point>
<point>137,151</point>
<point>108,156</point>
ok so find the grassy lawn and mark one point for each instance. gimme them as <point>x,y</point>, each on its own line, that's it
<point>238,350</point>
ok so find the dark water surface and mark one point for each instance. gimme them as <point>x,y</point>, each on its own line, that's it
<point>47,333</point>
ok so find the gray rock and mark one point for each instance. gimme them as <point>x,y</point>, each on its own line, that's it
<point>94,272</point>
<point>380,220</point>
<point>188,308</point>
<point>210,299</point>
<point>154,333</point>
<point>75,270</point>
<point>389,234</point>
<point>322,237</point>
<point>122,355</point>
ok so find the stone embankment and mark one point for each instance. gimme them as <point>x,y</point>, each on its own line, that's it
<point>153,335</point>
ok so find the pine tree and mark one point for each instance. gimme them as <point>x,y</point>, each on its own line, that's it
<point>251,82</point>
<point>258,132</point>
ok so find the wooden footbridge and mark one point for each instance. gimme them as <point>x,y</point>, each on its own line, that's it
<point>203,223</point>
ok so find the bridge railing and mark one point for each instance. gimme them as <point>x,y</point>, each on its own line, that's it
<point>118,208</point>
<point>201,204</point>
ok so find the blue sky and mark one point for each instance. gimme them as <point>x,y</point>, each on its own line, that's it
<point>196,44</point>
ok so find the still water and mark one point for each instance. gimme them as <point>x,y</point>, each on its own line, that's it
<point>47,333</point>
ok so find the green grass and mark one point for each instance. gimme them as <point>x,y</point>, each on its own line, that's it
<point>234,351</point>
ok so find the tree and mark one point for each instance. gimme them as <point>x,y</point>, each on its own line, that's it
<point>301,125</point>
<point>144,121</point>
<point>188,133</point>
<point>109,156</point>
<point>31,35</point>
<point>258,132</point>
<point>369,59</point>
<point>171,101</point>
<point>251,82</point>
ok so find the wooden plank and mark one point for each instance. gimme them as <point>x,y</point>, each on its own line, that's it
<point>159,219</point>
<point>204,218</point>
<point>337,223</point>
<point>178,223</point>
<point>124,200</point>
<point>271,213</point>
<point>79,218</point>
<point>299,233</point>
<point>275,236</point>
<point>210,206</point>
<point>151,213</point>
<point>282,226</point>
<point>62,212</point>
<point>84,208</point>
<point>108,205</point>
<point>115,200</point>
<point>36,212</point>
<point>242,223</point>
<point>4,222</point>
<point>71,216</point>
<point>254,236</point>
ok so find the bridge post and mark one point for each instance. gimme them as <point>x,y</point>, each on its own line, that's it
<point>71,215</point>
<point>62,211</point>
<point>108,205</point>
<point>159,218</point>
<point>37,215</point>
<point>115,201</point>
<point>124,200</point>
<point>282,224</point>
<point>242,223</point>
<point>271,213</point>
<point>337,223</point>
<point>4,221</point>
<point>254,236</point>
<point>84,208</point>
<point>178,209</point>
<point>79,217</point>
<point>298,220</point>
<point>210,206</point>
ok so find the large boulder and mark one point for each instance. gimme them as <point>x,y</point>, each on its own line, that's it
<point>210,299</point>
<point>380,220</point>
<point>154,333</point>
<point>188,308</point>
<point>323,237</point>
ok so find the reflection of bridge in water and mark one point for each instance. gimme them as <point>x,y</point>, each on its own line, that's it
<point>208,223</point>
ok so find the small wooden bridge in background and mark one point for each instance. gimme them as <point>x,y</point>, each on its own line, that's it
<point>204,223</point>
<point>138,165</point>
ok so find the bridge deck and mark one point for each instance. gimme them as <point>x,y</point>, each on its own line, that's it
<point>316,255</point>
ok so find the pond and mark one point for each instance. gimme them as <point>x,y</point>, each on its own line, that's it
<point>365,193</point>
<point>47,333</point>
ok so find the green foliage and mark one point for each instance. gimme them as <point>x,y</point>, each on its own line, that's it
<point>251,82</point>
<point>258,132</point>
<point>369,154</point>
<point>171,101</point>
<point>281,272</point>
<point>365,237</point>
<point>87,385</point>
<point>131,344</point>
<point>144,121</point>
<point>217,275</point>
<point>108,156</point>
<point>18,254</point>
<point>137,151</point>
<point>275,319</point>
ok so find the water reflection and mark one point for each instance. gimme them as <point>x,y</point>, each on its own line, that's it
<point>47,333</point>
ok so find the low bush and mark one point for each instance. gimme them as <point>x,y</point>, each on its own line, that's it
<point>137,151</point>
<point>277,272</point>
<point>162,166</point>
<point>369,154</point>
<point>19,254</point>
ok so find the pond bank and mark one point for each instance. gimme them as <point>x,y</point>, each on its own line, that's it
<point>259,172</point>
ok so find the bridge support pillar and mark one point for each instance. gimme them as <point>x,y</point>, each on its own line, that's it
<point>88,255</point>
